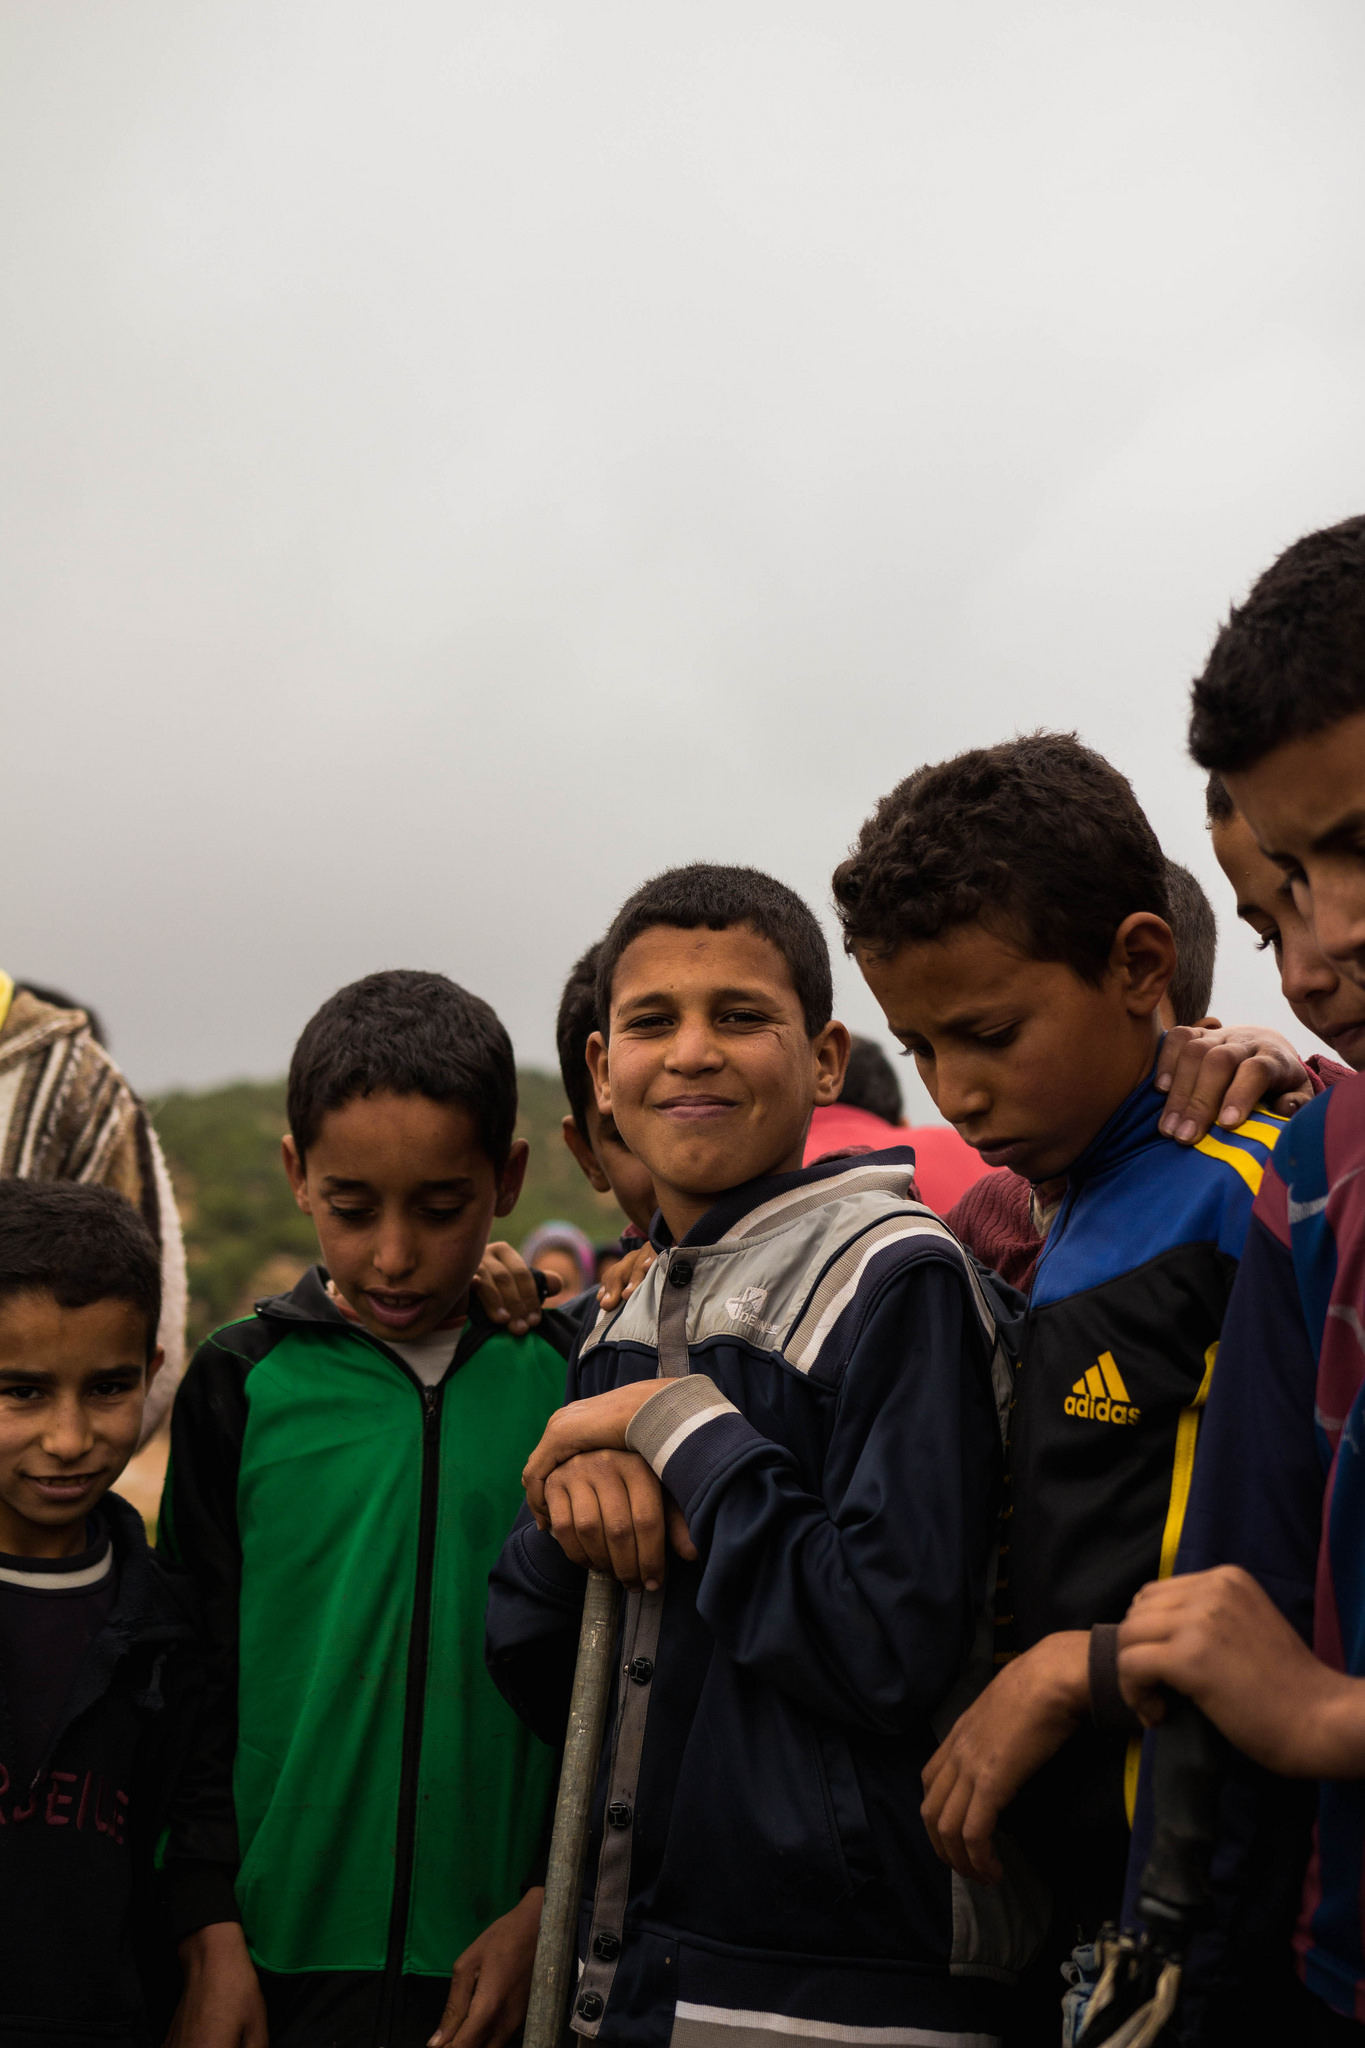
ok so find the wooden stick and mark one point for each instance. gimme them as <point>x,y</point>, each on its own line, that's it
<point>555,1972</point>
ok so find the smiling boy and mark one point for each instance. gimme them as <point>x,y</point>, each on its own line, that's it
<point>1008,911</point>
<point>345,1464</point>
<point>802,1390</point>
<point>95,1637</point>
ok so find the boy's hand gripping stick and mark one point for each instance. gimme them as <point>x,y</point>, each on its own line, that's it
<point>555,1972</point>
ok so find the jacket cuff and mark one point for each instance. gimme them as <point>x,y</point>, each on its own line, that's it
<point>1109,1710</point>
<point>199,1895</point>
<point>688,1433</point>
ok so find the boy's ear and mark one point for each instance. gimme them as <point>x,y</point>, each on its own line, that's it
<point>584,1154</point>
<point>1144,955</point>
<point>596,1057</point>
<point>293,1166</point>
<point>154,1365</point>
<point>511,1178</point>
<point>831,1048</point>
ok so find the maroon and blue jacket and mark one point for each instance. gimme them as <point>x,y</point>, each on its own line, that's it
<point>1279,1486</point>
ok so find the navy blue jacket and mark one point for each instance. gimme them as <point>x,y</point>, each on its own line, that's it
<point>835,1449</point>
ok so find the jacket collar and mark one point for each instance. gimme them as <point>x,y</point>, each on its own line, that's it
<point>308,1302</point>
<point>856,1174</point>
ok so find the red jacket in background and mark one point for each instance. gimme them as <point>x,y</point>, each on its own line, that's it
<point>945,1165</point>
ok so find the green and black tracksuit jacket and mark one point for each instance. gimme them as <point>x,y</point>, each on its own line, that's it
<point>360,1796</point>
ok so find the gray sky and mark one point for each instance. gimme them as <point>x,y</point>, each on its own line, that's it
<point>459,458</point>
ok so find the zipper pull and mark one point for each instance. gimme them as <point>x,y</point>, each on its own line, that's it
<point>429,1401</point>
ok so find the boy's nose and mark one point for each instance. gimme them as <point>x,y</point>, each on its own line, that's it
<point>1338,922</point>
<point>68,1435</point>
<point>693,1048</point>
<point>1304,972</point>
<point>395,1255</point>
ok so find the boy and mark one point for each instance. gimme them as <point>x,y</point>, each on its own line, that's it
<point>1324,1003</point>
<point>1278,1507</point>
<point>344,1465</point>
<point>1206,1073</point>
<point>95,1638</point>
<point>1008,910</point>
<point>807,1369</point>
<point>607,1162</point>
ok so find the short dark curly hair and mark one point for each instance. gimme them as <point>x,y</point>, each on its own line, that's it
<point>574,1026</point>
<point>80,1244</point>
<point>411,1034</point>
<point>1289,661</point>
<point>1040,839</point>
<point>704,893</point>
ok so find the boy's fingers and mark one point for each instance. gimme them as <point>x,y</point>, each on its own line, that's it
<point>1199,1086</point>
<point>679,1535</point>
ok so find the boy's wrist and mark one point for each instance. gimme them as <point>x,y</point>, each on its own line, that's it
<point>1065,1661</point>
<point>211,1944</point>
<point>1327,1737</point>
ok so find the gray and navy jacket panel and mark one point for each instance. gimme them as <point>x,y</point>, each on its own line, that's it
<point>833,1441</point>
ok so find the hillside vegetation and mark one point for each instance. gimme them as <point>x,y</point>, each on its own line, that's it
<point>243,1235</point>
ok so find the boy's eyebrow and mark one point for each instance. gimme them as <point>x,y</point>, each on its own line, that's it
<point>1349,827</point>
<point>337,1183</point>
<point>661,998</point>
<point>26,1376</point>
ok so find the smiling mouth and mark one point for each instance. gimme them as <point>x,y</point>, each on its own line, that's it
<point>63,1485</point>
<point>693,1109</point>
<point>397,1311</point>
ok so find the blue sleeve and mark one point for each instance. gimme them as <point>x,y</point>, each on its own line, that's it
<point>531,1623</point>
<point>859,1600</point>
<point>1256,1498</point>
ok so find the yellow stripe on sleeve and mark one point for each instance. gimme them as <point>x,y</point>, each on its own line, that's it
<point>1251,1169</point>
<point>1256,1127</point>
<point>6,996</point>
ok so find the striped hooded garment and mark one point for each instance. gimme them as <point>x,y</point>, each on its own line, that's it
<point>66,1113</point>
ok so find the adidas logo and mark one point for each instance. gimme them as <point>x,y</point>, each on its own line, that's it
<point>1101,1396</point>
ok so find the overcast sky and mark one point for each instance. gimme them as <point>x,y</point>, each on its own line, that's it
<point>460,458</point>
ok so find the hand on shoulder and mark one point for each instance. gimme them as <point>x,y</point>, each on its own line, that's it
<point>1212,1074</point>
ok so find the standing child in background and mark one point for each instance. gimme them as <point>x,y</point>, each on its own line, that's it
<point>607,1162</point>
<point>1008,910</point>
<point>345,1464</point>
<point>97,1657</point>
<point>807,1370</point>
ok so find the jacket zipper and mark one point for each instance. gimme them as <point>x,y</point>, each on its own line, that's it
<point>414,1708</point>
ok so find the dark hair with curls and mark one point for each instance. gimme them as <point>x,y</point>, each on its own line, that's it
<point>405,1033</point>
<point>1039,839</point>
<point>79,1244</point>
<point>1289,661</point>
<point>718,897</point>
<point>574,1026</point>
